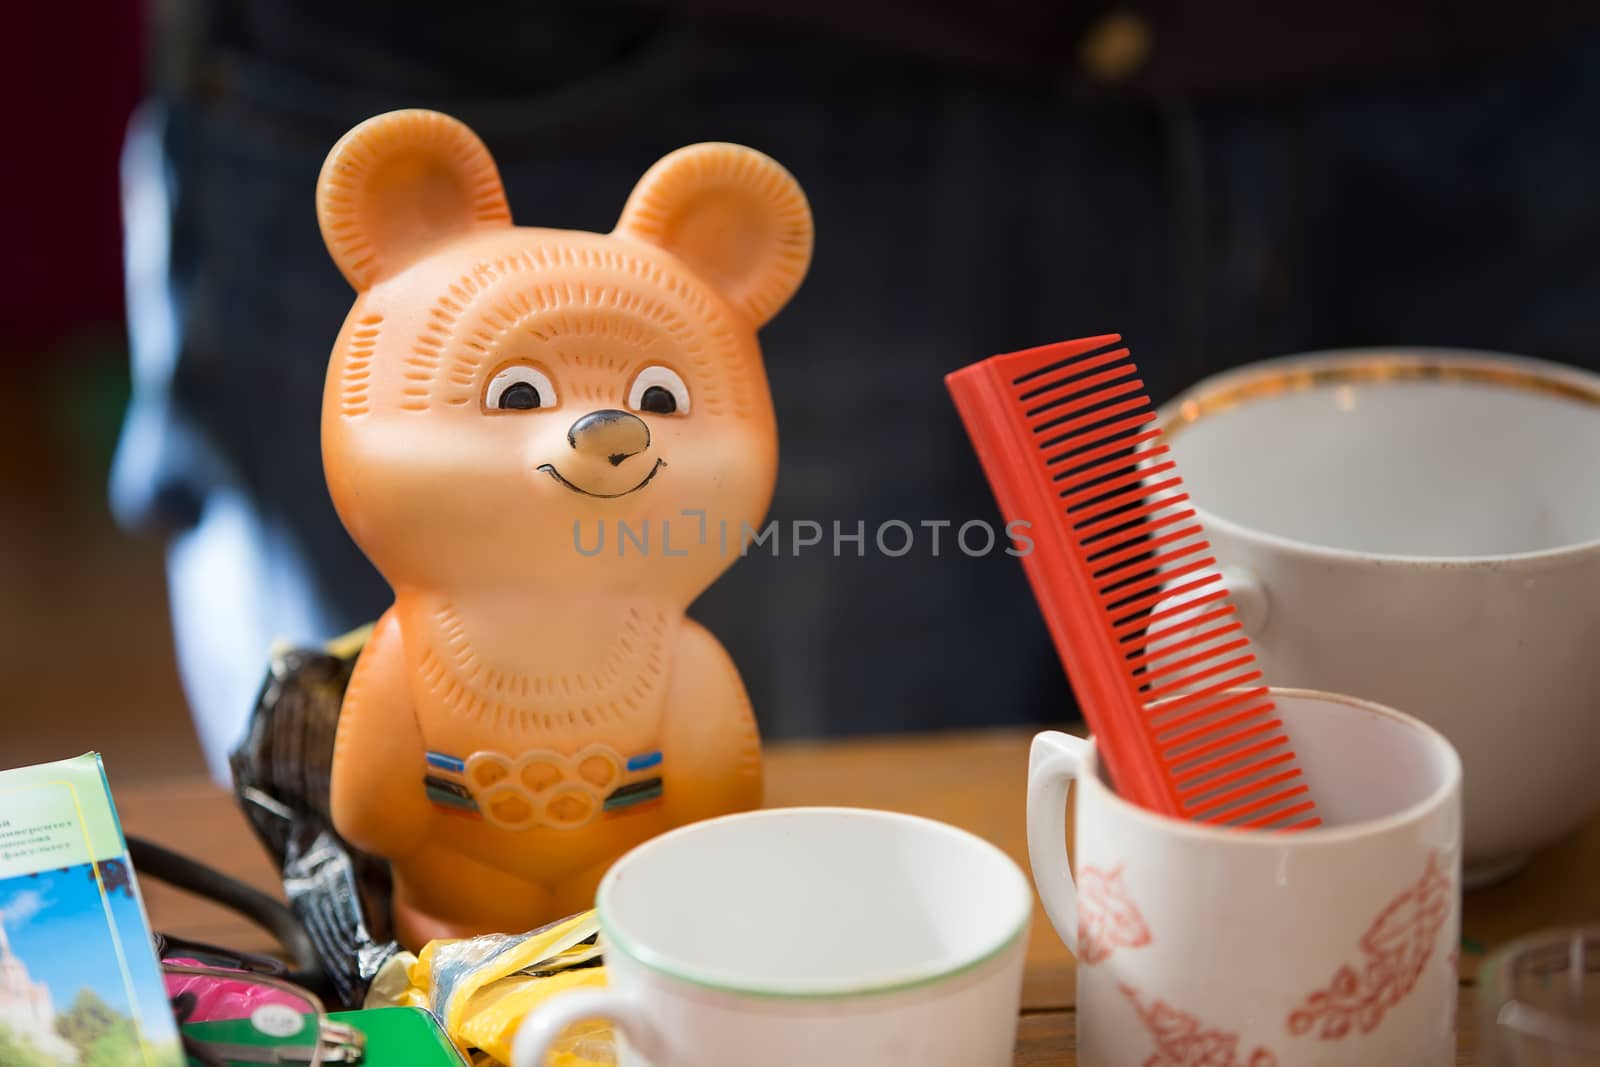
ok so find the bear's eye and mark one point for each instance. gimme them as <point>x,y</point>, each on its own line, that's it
<point>659,391</point>
<point>658,401</point>
<point>519,388</point>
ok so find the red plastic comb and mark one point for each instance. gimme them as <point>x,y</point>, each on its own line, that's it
<point>1180,715</point>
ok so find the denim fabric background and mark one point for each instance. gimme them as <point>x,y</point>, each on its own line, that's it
<point>956,217</point>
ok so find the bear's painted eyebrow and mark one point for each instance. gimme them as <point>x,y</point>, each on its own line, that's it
<point>471,319</point>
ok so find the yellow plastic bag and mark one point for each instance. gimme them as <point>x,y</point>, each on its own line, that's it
<point>481,988</point>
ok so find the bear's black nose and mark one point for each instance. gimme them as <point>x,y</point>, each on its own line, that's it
<point>609,434</point>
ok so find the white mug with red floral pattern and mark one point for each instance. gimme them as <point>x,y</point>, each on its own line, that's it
<point>1200,946</point>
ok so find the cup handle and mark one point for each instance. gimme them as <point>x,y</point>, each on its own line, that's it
<point>1249,597</point>
<point>1054,763</point>
<point>539,1032</point>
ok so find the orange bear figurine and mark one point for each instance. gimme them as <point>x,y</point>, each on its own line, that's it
<point>501,401</point>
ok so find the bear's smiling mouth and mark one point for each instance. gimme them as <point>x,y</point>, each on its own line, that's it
<point>549,468</point>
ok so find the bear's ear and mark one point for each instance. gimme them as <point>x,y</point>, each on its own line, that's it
<point>734,216</point>
<point>399,184</point>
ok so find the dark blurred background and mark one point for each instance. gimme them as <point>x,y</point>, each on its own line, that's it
<point>1220,181</point>
<point>86,652</point>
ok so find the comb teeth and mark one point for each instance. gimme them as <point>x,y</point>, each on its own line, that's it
<point>1066,435</point>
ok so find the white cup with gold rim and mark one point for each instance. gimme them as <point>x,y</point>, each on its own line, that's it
<point>1421,528</point>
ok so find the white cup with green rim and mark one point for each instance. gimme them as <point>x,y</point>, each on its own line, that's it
<point>800,936</point>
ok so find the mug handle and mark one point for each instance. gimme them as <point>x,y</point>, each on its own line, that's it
<point>1054,762</point>
<point>538,1033</point>
<point>1248,594</point>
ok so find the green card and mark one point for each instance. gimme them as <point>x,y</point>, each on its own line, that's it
<point>396,1037</point>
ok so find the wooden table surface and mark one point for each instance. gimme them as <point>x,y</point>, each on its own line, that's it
<point>973,780</point>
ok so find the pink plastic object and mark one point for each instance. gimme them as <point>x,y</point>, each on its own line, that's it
<point>218,998</point>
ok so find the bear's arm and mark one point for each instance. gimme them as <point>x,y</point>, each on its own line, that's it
<point>379,761</point>
<point>710,740</point>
